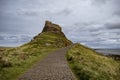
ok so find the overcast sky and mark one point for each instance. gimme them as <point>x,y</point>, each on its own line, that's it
<point>95,23</point>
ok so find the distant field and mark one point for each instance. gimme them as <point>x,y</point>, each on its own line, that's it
<point>4,48</point>
<point>1,47</point>
<point>109,51</point>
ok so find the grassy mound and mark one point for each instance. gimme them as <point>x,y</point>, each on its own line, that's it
<point>89,65</point>
<point>47,39</point>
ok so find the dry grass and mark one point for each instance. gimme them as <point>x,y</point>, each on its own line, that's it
<point>89,65</point>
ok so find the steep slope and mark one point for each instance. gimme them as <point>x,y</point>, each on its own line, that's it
<point>51,36</point>
<point>90,65</point>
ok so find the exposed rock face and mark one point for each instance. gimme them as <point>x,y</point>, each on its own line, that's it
<point>51,36</point>
<point>53,28</point>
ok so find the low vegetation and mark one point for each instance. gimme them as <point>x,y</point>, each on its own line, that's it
<point>89,65</point>
<point>16,61</point>
<point>51,39</point>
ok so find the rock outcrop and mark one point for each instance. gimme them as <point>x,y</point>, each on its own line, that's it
<point>52,28</point>
<point>51,36</point>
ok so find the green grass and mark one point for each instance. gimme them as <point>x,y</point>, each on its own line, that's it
<point>4,48</point>
<point>16,62</point>
<point>51,39</point>
<point>89,65</point>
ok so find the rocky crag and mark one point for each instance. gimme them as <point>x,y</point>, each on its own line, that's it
<point>51,36</point>
<point>53,28</point>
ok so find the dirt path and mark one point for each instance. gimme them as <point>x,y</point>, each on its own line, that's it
<point>53,67</point>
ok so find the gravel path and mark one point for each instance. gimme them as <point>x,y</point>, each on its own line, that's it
<point>52,67</point>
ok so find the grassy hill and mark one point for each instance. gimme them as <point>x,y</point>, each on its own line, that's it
<point>89,65</point>
<point>50,40</point>
<point>85,62</point>
<point>15,61</point>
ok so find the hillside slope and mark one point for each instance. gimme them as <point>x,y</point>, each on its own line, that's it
<point>16,61</point>
<point>51,36</point>
<point>89,65</point>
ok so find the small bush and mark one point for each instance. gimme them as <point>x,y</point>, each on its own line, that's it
<point>4,62</point>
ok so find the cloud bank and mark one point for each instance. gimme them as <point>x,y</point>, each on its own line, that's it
<point>95,23</point>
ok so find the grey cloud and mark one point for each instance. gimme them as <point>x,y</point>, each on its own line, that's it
<point>95,29</point>
<point>99,2</point>
<point>94,40</point>
<point>115,39</point>
<point>15,38</point>
<point>117,13</point>
<point>118,33</point>
<point>112,25</point>
<point>116,3</point>
<point>1,38</point>
<point>84,24</point>
<point>36,13</point>
<point>64,12</point>
<point>92,27</point>
<point>28,13</point>
<point>80,19</point>
<point>12,37</point>
<point>95,34</point>
<point>25,38</point>
<point>11,28</point>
